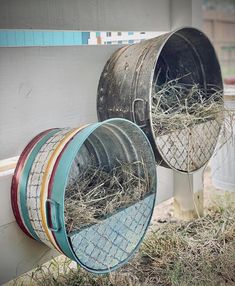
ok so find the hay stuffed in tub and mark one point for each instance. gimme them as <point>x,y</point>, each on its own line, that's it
<point>98,193</point>
<point>186,119</point>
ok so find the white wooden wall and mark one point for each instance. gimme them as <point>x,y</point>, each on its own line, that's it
<point>44,87</point>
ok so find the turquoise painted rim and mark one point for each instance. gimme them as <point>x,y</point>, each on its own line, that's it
<point>24,180</point>
<point>58,190</point>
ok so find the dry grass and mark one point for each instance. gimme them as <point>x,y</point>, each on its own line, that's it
<point>200,252</point>
<point>98,193</point>
<point>177,106</point>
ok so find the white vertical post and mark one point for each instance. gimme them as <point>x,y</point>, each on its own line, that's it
<point>188,195</point>
<point>188,188</point>
<point>185,13</point>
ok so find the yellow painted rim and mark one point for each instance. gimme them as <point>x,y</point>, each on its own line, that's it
<point>46,179</point>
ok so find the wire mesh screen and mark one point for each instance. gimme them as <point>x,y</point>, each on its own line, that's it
<point>189,149</point>
<point>187,114</point>
<point>110,242</point>
<point>89,192</point>
<point>173,91</point>
<point>109,199</point>
<point>34,186</point>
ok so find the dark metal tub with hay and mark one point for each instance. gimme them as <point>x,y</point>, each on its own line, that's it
<point>171,86</point>
<point>87,192</point>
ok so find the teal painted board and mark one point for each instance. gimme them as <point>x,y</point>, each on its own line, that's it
<point>47,38</point>
<point>30,38</point>
<point>10,37</point>
<point>38,39</point>
<point>19,38</point>
<point>68,38</point>
<point>3,39</point>
<point>85,37</point>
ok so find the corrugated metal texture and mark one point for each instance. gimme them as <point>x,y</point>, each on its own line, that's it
<point>22,38</point>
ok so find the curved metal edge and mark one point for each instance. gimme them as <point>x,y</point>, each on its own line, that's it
<point>45,183</point>
<point>16,180</point>
<point>60,176</point>
<point>178,30</point>
<point>165,38</point>
<point>50,187</point>
<point>22,187</point>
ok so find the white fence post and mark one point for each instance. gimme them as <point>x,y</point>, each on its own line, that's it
<point>188,195</point>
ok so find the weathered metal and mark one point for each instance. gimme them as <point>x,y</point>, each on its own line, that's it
<point>41,177</point>
<point>128,78</point>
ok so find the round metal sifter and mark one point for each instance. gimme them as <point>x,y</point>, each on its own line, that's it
<point>171,86</point>
<point>88,192</point>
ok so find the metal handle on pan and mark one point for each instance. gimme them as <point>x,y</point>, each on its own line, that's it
<point>134,111</point>
<point>52,212</point>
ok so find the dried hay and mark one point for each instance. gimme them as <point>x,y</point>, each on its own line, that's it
<point>187,120</point>
<point>177,105</point>
<point>98,193</point>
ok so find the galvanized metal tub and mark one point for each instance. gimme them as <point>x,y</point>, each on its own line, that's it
<point>126,86</point>
<point>39,185</point>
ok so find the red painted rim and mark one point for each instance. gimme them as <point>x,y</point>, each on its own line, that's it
<point>16,179</point>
